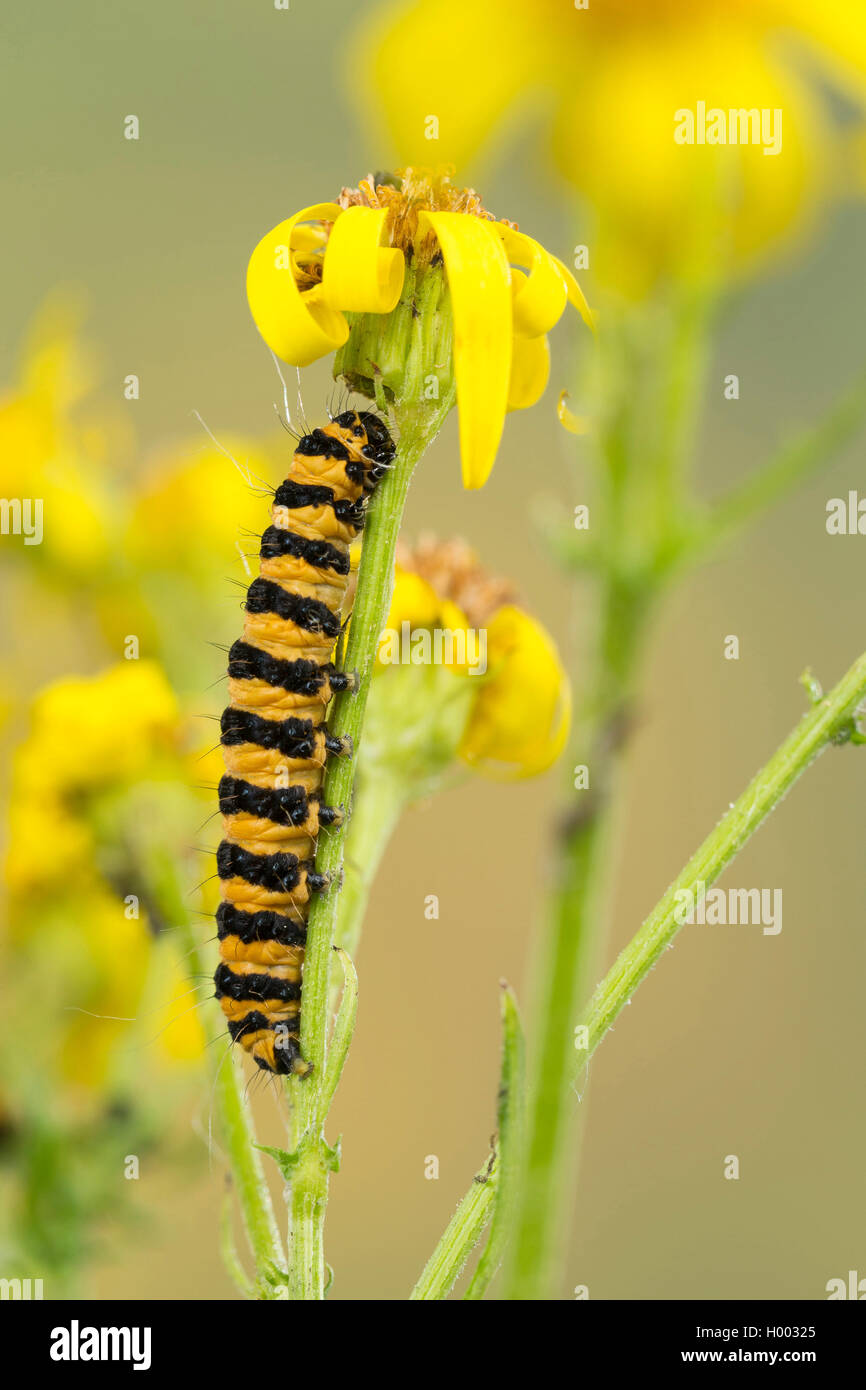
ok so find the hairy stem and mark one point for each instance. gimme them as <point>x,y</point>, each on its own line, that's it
<point>309,1181</point>
<point>510,1114</point>
<point>637,511</point>
<point>460,1236</point>
<point>568,962</point>
<point>307,1209</point>
<point>829,722</point>
<point>648,528</point>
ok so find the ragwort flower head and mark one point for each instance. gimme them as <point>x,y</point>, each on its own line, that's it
<point>424,297</point>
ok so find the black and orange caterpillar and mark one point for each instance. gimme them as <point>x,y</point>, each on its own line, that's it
<point>275,740</point>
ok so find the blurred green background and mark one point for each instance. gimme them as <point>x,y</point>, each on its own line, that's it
<point>738,1043</point>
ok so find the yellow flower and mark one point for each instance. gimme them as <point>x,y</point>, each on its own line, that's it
<point>374,253</point>
<point>193,507</point>
<point>112,956</point>
<point>416,602</point>
<point>521,717</point>
<point>94,731</point>
<point>94,743</point>
<point>51,459</point>
<point>87,734</point>
<point>178,1031</point>
<point>117,995</point>
<point>515,707</point>
<point>47,843</point>
<point>610,78</point>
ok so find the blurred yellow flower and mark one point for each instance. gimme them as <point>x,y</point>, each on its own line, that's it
<point>415,602</point>
<point>113,992</point>
<point>505,293</point>
<point>517,699</point>
<point>610,79</point>
<point>192,507</point>
<point>93,731</point>
<point>86,733</point>
<point>521,717</point>
<point>47,842</point>
<point>53,461</point>
<point>112,955</point>
<point>91,943</point>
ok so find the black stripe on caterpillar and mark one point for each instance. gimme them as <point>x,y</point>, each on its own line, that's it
<point>298,677</point>
<point>291,805</point>
<point>297,738</point>
<point>320,554</point>
<point>311,614</point>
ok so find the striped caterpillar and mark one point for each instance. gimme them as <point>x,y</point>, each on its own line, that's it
<point>275,740</point>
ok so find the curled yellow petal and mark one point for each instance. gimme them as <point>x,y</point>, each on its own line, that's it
<point>520,720</point>
<point>540,296</point>
<point>575,424</point>
<point>576,297</point>
<point>308,239</point>
<point>297,325</point>
<point>479,282</point>
<point>530,369</point>
<point>359,274</point>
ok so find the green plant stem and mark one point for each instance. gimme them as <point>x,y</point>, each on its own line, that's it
<point>306,1214</point>
<point>633,538</point>
<point>829,722</point>
<point>535,1257</point>
<point>310,1178</point>
<point>568,960</point>
<point>648,522</point>
<point>309,1185</point>
<point>460,1236</point>
<point>511,1107</point>
<point>228,1249</point>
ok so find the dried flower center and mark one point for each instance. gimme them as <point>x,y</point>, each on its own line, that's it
<point>407,193</point>
<point>453,570</point>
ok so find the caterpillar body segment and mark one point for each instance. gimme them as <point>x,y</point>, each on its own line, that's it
<point>274,737</point>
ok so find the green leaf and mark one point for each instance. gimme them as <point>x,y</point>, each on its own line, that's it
<point>285,1161</point>
<point>312,1149</point>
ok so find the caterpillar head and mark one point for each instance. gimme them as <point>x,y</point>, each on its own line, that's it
<point>370,437</point>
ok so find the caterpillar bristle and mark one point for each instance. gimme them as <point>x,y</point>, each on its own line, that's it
<point>273,733</point>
